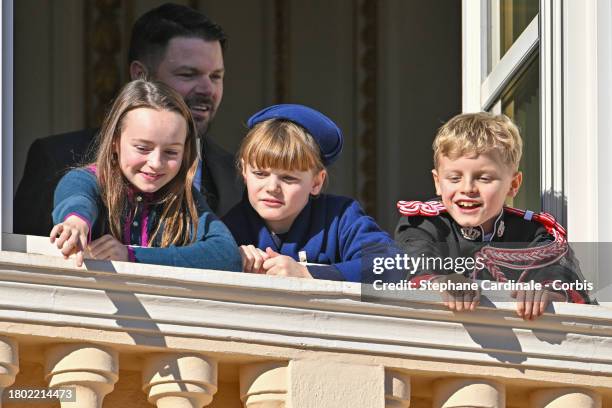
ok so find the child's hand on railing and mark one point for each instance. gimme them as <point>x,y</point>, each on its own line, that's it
<point>108,248</point>
<point>252,259</point>
<point>282,265</point>
<point>70,237</point>
<point>531,304</point>
<point>458,300</point>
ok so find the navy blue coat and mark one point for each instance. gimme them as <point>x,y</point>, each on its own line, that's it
<point>331,230</point>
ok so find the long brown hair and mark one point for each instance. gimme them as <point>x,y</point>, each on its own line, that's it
<point>179,215</point>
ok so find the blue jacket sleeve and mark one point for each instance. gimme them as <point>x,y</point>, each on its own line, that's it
<point>76,193</point>
<point>214,248</point>
<point>327,272</point>
<point>360,239</point>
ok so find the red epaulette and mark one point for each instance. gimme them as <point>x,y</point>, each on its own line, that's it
<point>547,220</point>
<point>427,208</point>
<point>433,208</point>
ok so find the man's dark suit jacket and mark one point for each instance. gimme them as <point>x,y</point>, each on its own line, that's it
<point>51,157</point>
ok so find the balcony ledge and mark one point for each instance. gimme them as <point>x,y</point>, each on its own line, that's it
<point>137,304</point>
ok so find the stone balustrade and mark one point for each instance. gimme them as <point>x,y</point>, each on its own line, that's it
<point>123,334</point>
<point>91,370</point>
<point>9,363</point>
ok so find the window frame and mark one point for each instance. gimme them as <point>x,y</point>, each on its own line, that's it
<point>551,109</point>
<point>575,49</point>
<point>6,119</point>
<point>508,68</point>
<point>483,89</point>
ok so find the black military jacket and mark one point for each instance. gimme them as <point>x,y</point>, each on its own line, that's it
<point>432,232</point>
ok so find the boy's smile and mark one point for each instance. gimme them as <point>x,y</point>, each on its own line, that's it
<point>473,188</point>
<point>278,196</point>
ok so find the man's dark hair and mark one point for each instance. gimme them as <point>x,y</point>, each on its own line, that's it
<point>154,29</point>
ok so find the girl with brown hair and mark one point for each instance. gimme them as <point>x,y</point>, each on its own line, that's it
<point>137,201</point>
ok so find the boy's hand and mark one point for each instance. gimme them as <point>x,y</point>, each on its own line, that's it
<point>252,259</point>
<point>282,265</point>
<point>108,248</point>
<point>459,300</point>
<point>531,304</point>
<point>70,237</point>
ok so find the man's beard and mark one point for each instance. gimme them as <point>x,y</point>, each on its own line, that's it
<point>201,101</point>
<point>203,126</point>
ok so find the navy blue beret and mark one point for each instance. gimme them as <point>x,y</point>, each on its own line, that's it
<point>327,134</point>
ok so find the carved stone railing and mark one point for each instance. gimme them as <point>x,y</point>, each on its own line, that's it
<point>137,335</point>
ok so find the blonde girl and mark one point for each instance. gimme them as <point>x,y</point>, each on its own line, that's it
<point>284,225</point>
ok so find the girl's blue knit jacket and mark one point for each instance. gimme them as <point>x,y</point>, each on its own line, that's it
<point>214,248</point>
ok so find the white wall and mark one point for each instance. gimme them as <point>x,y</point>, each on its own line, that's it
<point>587,123</point>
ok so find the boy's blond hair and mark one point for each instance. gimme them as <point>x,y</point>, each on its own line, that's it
<point>478,133</point>
<point>280,144</point>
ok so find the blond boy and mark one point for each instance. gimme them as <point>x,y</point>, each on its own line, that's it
<point>476,160</point>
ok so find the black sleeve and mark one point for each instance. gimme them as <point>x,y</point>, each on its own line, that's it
<point>423,237</point>
<point>34,197</point>
<point>566,270</point>
<point>221,185</point>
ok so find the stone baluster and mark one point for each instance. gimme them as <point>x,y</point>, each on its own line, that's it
<point>89,369</point>
<point>264,385</point>
<point>397,389</point>
<point>319,382</point>
<point>564,397</point>
<point>180,380</point>
<point>9,363</point>
<point>468,393</point>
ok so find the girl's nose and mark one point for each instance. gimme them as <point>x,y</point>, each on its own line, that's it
<point>154,160</point>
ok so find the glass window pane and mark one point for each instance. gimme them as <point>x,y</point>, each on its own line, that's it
<point>515,16</point>
<point>521,102</point>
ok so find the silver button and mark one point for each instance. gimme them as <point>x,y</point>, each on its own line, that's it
<point>138,198</point>
<point>135,223</point>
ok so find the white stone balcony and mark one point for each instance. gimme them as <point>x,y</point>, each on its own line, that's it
<point>132,335</point>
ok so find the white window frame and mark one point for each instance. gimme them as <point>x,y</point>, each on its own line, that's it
<point>587,122</point>
<point>482,89</point>
<point>574,41</point>
<point>6,119</point>
<point>540,36</point>
<point>505,70</point>
<point>473,42</point>
<point>551,108</point>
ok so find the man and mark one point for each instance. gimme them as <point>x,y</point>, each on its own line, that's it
<point>175,45</point>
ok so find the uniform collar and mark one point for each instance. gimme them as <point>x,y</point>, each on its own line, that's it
<point>478,234</point>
